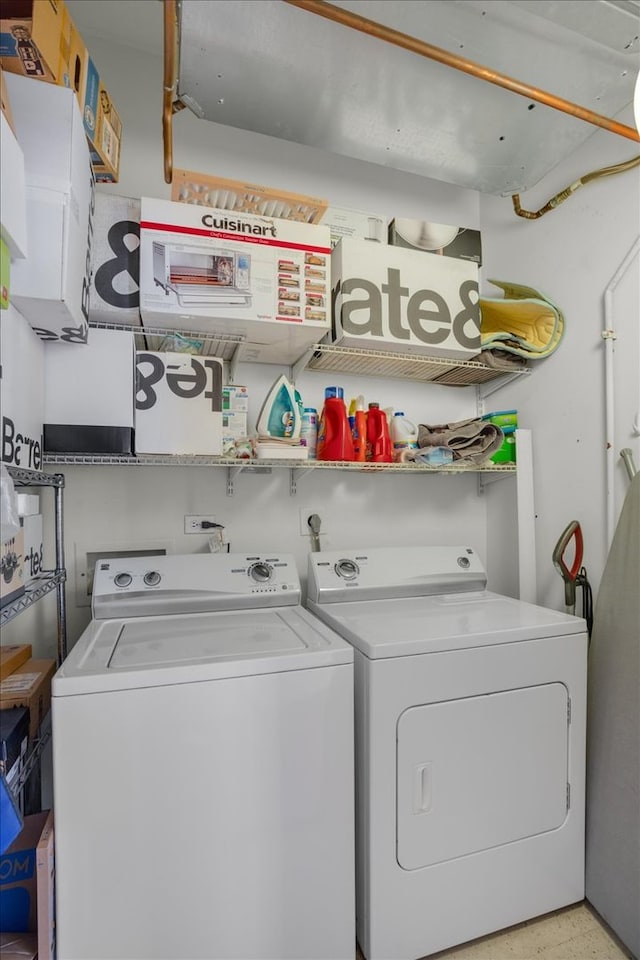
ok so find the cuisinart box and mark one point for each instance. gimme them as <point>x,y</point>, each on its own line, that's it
<point>89,395</point>
<point>51,287</point>
<point>217,271</point>
<point>178,404</point>
<point>21,391</point>
<point>115,261</point>
<point>388,298</point>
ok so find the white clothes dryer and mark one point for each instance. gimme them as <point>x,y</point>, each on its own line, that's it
<point>203,768</point>
<point>470,747</point>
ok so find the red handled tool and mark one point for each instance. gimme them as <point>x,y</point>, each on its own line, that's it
<point>569,575</point>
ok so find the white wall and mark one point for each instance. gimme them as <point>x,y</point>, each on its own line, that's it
<point>571,254</point>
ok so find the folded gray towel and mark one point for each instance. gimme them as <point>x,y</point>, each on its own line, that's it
<point>473,440</point>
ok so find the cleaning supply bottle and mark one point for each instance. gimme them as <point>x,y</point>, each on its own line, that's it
<point>378,439</point>
<point>360,431</point>
<point>334,436</point>
<point>404,436</point>
<point>309,431</point>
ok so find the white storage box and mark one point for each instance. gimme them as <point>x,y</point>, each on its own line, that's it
<point>51,287</point>
<point>388,298</point>
<point>345,223</point>
<point>115,261</point>
<point>33,546</point>
<point>89,394</point>
<point>28,504</point>
<point>235,399</point>
<point>216,271</point>
<point>13,199</point>
<point>437,239</point>
<point>178,404</point>
<point>21,391</point>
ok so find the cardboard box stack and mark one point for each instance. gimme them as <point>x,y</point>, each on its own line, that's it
<point>29,685</point>
<point>27,890</point>
<point>39,40</point>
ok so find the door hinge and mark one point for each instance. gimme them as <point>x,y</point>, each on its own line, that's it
<point>568,795</point>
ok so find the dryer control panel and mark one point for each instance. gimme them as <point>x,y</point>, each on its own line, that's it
<point>385,572</point>
<point>161,585</point>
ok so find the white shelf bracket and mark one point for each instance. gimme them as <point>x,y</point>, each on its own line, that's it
<point>294,475</point>
<point>232,473</point>
<point>233,365</point>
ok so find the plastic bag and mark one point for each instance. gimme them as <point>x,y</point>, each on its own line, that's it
<point>10,522</point>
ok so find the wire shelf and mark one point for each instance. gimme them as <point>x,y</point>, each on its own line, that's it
<point>34,478</point>
<point>214,344</point>
<point>39,587</point>
<point>380,363</point>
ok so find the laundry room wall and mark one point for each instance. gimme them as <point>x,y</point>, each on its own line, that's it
<point>572,254</point>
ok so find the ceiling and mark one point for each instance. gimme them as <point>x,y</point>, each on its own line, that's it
<point>273,68</point>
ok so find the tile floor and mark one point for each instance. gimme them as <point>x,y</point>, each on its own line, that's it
<point>574,933</point>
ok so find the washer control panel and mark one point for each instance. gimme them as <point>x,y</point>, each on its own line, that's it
<point>147,586</point>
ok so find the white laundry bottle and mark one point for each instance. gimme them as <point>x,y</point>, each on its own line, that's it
<point>404,437</point>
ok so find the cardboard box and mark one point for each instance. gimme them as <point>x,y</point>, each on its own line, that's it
<point>345,223</point>
<point>13,192</point>
<point>388,298</point>
<point>21,392</point>
<point>102,125</point>
<point>51,287</point>
<point>235,399</point>
<point>178,404</point>
<point>12,569</point>
<point>234,427</point>
<point>88,395</point>
<point>115,261</point>
<point>29,686</point>
<point>11,657</point>
<point>259,278</point>
<point>439,239</point>
<point>5,103</point>
<point>27,883</point>
<point>253,198</point>
<point>35,39</point>
<point>33,555</point>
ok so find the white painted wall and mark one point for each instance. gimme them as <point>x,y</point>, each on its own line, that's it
<point>570,254</point>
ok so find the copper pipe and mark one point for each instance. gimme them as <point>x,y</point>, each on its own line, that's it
<point>571,189</point>
<point>414,45</point>
<point>169,84</point>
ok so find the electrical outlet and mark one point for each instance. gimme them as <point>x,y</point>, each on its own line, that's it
<point>194,523</point>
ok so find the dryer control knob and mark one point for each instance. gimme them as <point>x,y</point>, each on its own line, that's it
<point>152,579</point>
<point>347,569</point>
<point>260,572</point>
<point>464,562</point>
<point>122,579</point>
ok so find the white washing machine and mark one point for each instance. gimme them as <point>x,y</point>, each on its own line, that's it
<point>470,747</point>
<point>203,768</point>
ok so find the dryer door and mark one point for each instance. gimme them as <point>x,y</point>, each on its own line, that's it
<point>480,772</point>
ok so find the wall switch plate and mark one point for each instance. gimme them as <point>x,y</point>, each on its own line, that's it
<point>193,523</point>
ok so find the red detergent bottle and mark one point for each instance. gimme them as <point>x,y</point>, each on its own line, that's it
<point>335,441</point>
<point>378,437</point>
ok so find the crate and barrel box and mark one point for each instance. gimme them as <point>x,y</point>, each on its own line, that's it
<point>390,298</point>
<point>178,406</point>
<point>259,278</point>
<point>51,287</point>
<point>21,392</point>
<point>27,883</point>
<point>115,261</point>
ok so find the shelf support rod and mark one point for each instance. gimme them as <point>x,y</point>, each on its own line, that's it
<point>169,106</point>
<point>61,597</point>
<point>423,49</point>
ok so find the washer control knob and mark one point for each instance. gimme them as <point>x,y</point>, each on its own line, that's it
<point>464,562</point>
<point>152,579</point>
<point>260,572</point>
<point>122,579</point>
<point>347,569</point>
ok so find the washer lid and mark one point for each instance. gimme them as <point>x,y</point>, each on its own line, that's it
<point>152,651</point>
<point>415,625</point>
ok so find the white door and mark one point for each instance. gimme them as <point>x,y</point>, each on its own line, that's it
<point>479,772</point>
